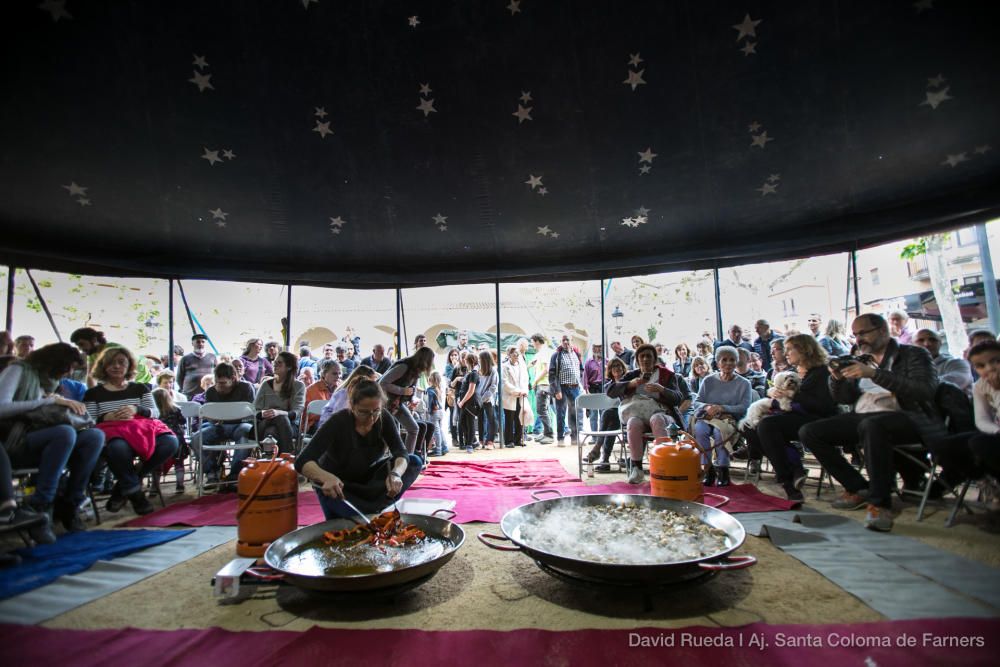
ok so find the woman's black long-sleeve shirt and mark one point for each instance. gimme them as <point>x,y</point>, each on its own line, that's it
<point>338,448</point>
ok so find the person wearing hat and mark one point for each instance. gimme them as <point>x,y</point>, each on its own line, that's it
<point>194,366</point>
<point>949,369</point>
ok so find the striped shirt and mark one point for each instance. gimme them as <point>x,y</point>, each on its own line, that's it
<point>100,400</point>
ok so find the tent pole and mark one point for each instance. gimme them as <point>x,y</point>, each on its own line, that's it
<point>45,306</point>
<point>847,291</point>
<point>11,270</point>
<point>857,294</point>
<point>288,319</point>
<point>399,322</point>
<point>604,336</point>
<point>170,325</point>
<point>404,340</point>
<point>989,279</point>
<point>499,402</point>
<point>718,305</point>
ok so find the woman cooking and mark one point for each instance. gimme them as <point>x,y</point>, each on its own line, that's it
<point>358,456</point>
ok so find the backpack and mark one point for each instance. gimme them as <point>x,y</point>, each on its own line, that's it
<point>956,408</point>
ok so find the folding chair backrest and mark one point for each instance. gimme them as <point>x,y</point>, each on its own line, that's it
<point>189,409</point>
<point>596,402</point>
<point>316,407</point>
<point>226,411</point>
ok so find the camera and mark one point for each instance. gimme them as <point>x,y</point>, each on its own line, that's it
<point>841,362</point>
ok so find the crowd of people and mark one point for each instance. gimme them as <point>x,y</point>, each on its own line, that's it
<point>114,417</point>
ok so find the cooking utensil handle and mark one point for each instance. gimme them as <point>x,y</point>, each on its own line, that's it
<point>485,537</point>
<point>731,563</point>
<point>535,494</point>
<point>264,574</point>
<point>452,513</point>
<point>725,499</point>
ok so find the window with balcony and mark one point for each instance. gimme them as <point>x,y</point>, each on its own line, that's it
<point>874,273</point>
<point>966,236</point>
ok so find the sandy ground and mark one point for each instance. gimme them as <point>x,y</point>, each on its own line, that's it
<point>486,589</point>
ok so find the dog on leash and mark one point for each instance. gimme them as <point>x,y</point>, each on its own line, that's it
<point>789,382</point>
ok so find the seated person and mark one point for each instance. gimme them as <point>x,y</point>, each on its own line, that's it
<point>225,389</point>
<point>949,369</point>
<point>893,399</point>
<point>652,396</point>
<point>756,378</point>
<point>347,459</point>
<point>279,403</point>
<point>338,399</point>
<point>610,419</point>
<point>722,401</point>
<point>973,454</point>
<point>321,390</point>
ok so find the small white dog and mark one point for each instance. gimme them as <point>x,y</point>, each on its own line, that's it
<point>787,381</point>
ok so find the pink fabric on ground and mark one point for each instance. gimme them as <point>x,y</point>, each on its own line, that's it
<point>483,504</point>
<point>534,473</point>
<point>911,642</point>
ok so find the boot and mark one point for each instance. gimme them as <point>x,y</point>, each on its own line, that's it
<point>66,513</point>
<point>709,479</point>
<point>140,503</point>
<point>723,473</point>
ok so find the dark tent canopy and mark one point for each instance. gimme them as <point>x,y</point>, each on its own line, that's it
<point>377,143</point>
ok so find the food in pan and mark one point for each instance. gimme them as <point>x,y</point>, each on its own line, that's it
<point>384,530</point>
<point>622,534</point>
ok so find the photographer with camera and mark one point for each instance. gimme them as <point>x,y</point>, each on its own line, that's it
<point>892,388</point>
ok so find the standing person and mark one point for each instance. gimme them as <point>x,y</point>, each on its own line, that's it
<point>399,383</point>
<point>127,414</point>
<point>762,344</point>
<point>835,341</point>
<point>622,353</point>
<point>271,350</point>
<point>893,399</point>
<point>593,380</point>
<point>23,346</point>
<point>487,393</point>
<point>451,367</point>
<point>279,403</point>
<point>683,364</point>
<point>815,322</point>
<point>540,366</point>
<point>635,341</point>
<point>358,456</point>
<point>93,342</point>
<point>352,340</point>
<point>899,327</point>
<point>306,359</point>
<point>466,394</point>
<point>515,393</point>
<point>463,342</point>
<point>377,361</point>
<point>256,368</point>
<point>166,381</point>
<point>321,390</point>
<point>29,384</point>
<point>435,410</point>
<point>194,366</point>
<point>565,377</point>
<point>347,366</point>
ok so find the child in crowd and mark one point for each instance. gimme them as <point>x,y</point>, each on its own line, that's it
<point>171,415</point>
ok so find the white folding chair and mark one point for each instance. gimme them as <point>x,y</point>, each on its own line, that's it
<point>314,408</point>
<point>224,412</point>
<point>189,410</point>
<point>594,402</point>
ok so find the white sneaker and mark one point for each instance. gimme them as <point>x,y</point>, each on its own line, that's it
<point>635,475</point>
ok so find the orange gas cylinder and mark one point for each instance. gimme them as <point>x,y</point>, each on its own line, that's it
<point>675,470</point>
<point>269,495</point>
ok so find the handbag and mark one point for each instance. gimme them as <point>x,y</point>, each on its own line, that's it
<point>474,406</point>
<point>41,417</point>
<point>640,406</point>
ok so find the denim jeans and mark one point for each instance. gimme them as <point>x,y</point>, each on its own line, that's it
<point>706,434</point>
<point>437,418</point>
<point>369,496</point>
<point>57,447</point>
<point>542,410</point>
<point>121,457</point>
<point>489,419</point>
<point>568,404</point>
<point>213,434</point>
<point>406,421</point>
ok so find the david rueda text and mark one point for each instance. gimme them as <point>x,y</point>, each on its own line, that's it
<point>760,641</point>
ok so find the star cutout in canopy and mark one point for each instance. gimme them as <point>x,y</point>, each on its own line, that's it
<point>200,62</point>
<point>768,189</point>
<point>644,169</point>
<point>211,156</point>
<point>642,211</point>
<point>544,231</point>
<point>83,201</point>
<point>425,89</point>
<point>935,99</point>
<point>774,178</point>
<point>543,191</point>
<point>427,106</point>
<point>760,139</point>
<point>413,21</point>
<point>321,112</point>
<point>76,190</point>
<point>748,28</point>
<point>337,222</point>
<point>749,47</point>
<point>634,59</point>
<point>523,114</point>
<point>525,96</point>
<point>533,181</point>
<point>323,129</point>
<point>647,155</point>
<point>305,3</point>
<point>953,160</point>
<point>218,214</point>
<point>979,150</point>
<point>514,7</point>
<point>936,81</point>
<point>754,126</point>
<point>440,219</point>
<point>57,8</point>
<point>555,235</point>
<point>635,79</point>
<point>228,154</point>
<point>203,81</point>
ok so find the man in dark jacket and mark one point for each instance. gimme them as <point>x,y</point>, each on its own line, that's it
<point>762,346</point>
<point>377,361</point>
<point>893,399</point>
